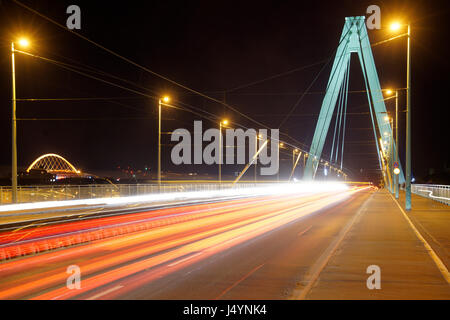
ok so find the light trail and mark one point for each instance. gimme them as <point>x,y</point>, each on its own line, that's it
<point>119,263</point>
<point>273,189</point>
<point>13,244</point>
<point>430,194</point>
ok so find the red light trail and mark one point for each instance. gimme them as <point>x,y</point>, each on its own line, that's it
<point>119,253</point>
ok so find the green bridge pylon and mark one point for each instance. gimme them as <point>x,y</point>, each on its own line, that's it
<point>354,38</point>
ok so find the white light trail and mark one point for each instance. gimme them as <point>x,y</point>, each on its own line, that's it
<point>276,189</point>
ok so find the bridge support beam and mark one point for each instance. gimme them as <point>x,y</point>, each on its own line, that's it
<point>354,39</point>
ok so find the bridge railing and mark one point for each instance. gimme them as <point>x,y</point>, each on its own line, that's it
<point>72,192</point>
<point>436,192</point>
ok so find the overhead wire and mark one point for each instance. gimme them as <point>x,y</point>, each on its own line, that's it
<point>150,71</point>
<point>166,78</point>
<point>188,108</point>
<point>72,68</point>
<point>276,76</point>
<point>345,113</point>
<point>138,65</point>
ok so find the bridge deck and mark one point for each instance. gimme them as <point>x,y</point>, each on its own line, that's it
<point>383,236</point>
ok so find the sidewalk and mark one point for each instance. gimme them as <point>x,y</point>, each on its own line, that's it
<point>432,219</point>
<point>382,236</point>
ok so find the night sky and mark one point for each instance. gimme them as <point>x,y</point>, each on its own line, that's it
<point>214,47</point>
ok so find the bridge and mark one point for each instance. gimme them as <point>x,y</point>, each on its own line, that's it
<point>329,238</point>
<point>53,163</point>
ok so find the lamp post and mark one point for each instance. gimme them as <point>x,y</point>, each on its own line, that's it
<point>396,186</point>
<point>388,151</point>
<point>408,126</point>
<point>224,122</point>
<point>23,43</point>
<point>281,144</point>
<point>257,137</point>
<point>391,153</point>
<point>394,27</point>
<point>294,151</point>
<point>395,170</point>
<point>383,158</point>
<point>160,103</point>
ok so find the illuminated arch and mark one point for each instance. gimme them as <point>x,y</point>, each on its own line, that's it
<point>53,163</point>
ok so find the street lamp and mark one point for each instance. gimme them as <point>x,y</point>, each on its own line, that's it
<point>281,144</point>
<point>222,123</point>
<point>396,170</point>
<point>394,27</point>
<point>161,102</point>
<point>257,137</point>
<point>293,156</point>
<point>23,43</point>
<point>391,150</point>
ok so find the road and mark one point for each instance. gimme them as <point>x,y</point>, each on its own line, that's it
<point>266,247</point>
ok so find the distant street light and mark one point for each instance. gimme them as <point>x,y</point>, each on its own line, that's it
<point>161,102</point>
<point>24,43</point>
<point>257,137</point>
<point>394,27</point>
<point>224,123</point>
<point>281,144</point>
<point>391,151</point>
<point>396,146</point>
<point>396,170</point>
<point>293,156</point>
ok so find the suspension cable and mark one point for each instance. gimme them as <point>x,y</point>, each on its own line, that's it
<point>340,106</point>
<point>337,124</point>
<point>345,113</point>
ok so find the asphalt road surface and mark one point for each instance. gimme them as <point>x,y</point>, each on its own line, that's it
<point>256,248</point>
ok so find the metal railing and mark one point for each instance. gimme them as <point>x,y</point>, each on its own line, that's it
<point>436,192</point>
<point>73,192</point>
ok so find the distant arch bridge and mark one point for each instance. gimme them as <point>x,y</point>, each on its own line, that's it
<point>53,163</point>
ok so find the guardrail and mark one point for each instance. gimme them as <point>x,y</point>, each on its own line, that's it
<point>436,192</point>
<point>73,192</point>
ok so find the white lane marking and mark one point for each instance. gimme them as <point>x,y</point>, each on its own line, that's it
<point>441,266</point>
<point>304,231</point>
<point>322,261</point>
<point>183,260</point>
<point>101,294</point>
<point>237,282</point>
